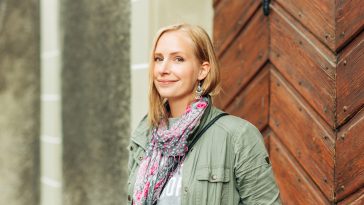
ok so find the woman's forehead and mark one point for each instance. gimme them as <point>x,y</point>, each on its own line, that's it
<point>173,42</point>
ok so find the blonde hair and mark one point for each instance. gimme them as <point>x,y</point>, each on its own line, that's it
<point>204,51</point>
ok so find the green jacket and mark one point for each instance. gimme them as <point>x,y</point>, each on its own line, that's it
<point>228,165</point>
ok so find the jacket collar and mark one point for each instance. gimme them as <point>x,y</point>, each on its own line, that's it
<point>141,136</point>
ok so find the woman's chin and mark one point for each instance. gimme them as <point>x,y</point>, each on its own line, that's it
<point>168,96</point>
<point>164,93</point>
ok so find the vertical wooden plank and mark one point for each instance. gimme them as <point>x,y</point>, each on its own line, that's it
<point>350,80</point>
<point>349,20</point>
<point>304,62</point>
<point>316,15</point>
<point>252,103</point>
<point>230,17</point>
<point>243,59</point>
<point>303,132</point>
<point>333,22</point>
<point>350,157</point>
<point>294,184</point>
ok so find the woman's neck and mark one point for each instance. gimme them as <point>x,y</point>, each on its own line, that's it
<point>178,106</point>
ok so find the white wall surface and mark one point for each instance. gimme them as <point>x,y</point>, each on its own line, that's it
<point>51,126</point>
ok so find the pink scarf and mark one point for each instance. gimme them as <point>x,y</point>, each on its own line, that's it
<point>165,153</point>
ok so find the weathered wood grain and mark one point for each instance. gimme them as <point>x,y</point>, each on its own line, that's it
<point>316,15</point>
<point>243,59</point>
<point>349,20</point>
<point>252,103</point>
<point>350,157</point>
<point>333,22</point>
<point>350,80</point>
<point>309,139</point>
<point>315,90</point>
<point>294,184</point>
<point>304,62</point>
<point>230,17</point>
<point>354,199</point>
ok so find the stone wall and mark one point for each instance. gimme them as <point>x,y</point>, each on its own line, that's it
<point>19,102</point>
<point>95,100</point>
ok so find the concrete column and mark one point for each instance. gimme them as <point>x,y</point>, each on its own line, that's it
<point>95,100</point>
<point>19,102</point>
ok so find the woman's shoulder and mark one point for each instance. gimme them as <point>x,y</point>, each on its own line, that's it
<point>242,131</point>
<point>137,143</point>
<point>234,124</point>
<point>139,135</point>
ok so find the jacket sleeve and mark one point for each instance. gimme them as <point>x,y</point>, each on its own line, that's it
<point>140,130</point>
<point>253,171</point>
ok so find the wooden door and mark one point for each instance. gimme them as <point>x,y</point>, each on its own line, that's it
<point>297,74</point>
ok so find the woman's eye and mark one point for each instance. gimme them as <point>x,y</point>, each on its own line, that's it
<point>179,59</point>
<point>156,59</point>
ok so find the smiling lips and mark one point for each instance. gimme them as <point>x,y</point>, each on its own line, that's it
<point>166,82</point>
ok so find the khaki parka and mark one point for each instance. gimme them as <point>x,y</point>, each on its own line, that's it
<point>228,165</point>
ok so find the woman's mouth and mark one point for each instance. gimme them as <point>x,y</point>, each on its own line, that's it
<point>166,82</point>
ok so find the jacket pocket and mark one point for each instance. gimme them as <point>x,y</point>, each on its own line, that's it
<point>212,186</point>
<point>213,174</point>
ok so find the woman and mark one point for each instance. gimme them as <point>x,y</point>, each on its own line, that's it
<point>185,151</point>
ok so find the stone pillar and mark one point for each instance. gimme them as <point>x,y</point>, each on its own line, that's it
<point>95,100</point>
<point>19,102</point>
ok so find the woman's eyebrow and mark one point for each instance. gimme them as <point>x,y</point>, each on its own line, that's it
<point>171,54</point>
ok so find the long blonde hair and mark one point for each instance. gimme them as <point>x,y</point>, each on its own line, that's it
<point>204,51</point>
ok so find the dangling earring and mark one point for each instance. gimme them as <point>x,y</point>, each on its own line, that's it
<point>199,91</point>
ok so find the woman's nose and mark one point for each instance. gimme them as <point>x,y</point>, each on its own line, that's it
<point>163,67</point>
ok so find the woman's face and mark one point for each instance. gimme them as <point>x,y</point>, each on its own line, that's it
<point>176,68</point>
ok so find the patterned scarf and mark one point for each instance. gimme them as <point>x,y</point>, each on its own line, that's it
<point>165,153</point>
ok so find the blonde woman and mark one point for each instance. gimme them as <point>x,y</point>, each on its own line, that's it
<point>186,151</point>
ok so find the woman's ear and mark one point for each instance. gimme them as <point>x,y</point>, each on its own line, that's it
<point>204,70</point>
